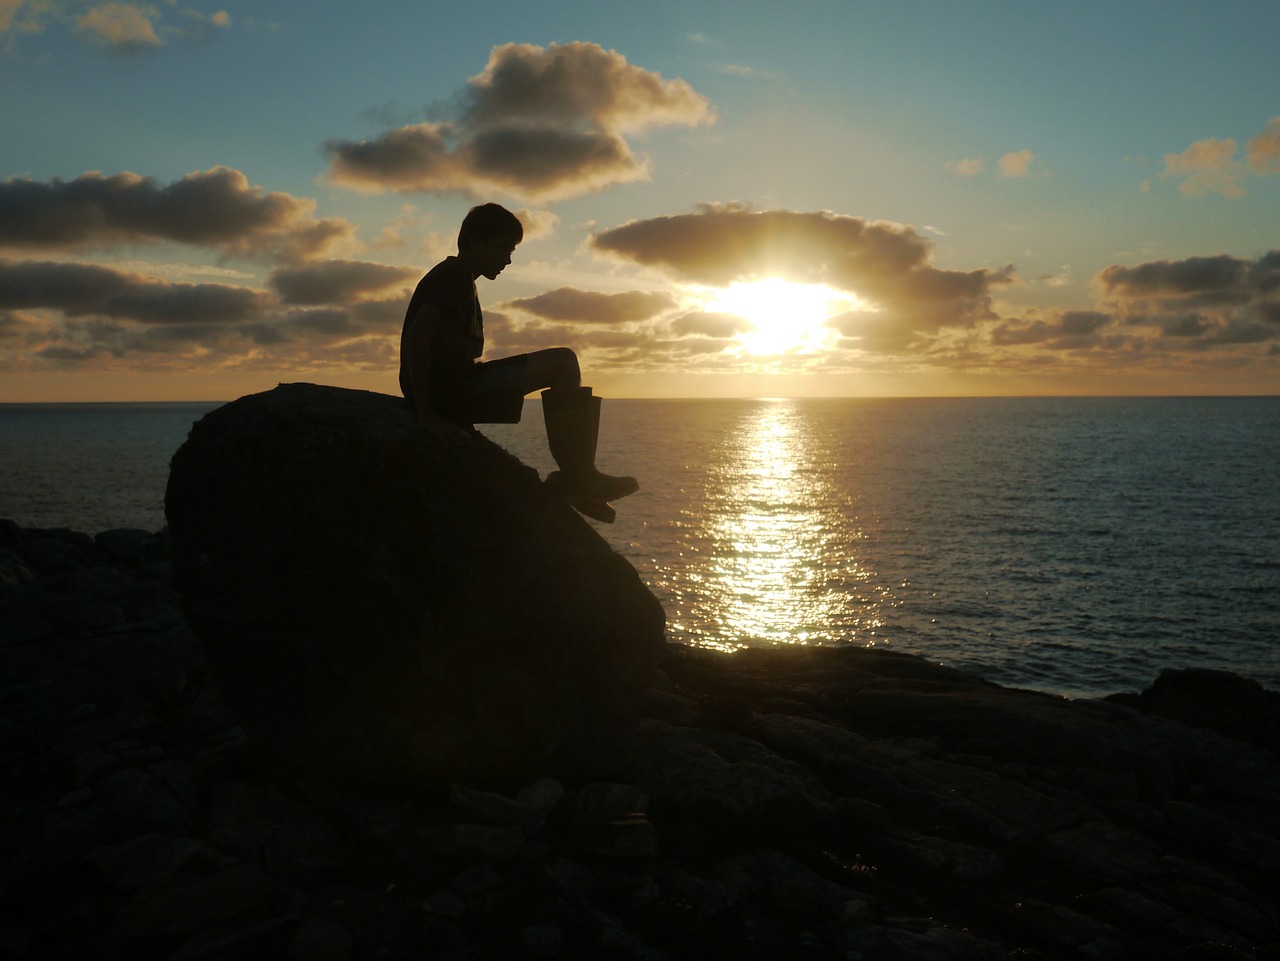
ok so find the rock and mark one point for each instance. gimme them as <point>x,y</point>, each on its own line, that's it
<point>1219,701</point>
<point>498,809</point>
<point>380,604</point>
<point>800,803</point>
<point>543,794</point>
<point>319,939</point>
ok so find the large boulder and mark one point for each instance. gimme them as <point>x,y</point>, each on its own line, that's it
<point>383,604</point>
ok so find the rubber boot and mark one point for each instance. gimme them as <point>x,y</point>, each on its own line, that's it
<point>572,417</point>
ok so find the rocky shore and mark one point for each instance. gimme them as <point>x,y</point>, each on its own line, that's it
<point>775,804</point>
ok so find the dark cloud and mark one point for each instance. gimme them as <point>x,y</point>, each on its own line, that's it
<point>539,122</point>
<point>885,263</point>
<point>216,208</point>
<point>337,281</point>
<point>1068,330</point>
<point>1206,301</point>
<point>1219,279</point>
<point>79,290</point>
<point>585,306</point>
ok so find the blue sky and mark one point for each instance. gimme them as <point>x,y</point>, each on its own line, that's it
<point>983,198</point>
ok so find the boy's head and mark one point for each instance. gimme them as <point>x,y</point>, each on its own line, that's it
<point>487,223</point>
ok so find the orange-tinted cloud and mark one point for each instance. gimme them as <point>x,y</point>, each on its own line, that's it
<point>1210,165</point>
<point>119,26</point>
<point>1207,166</point>
<point>123,26</point>
<point>539,123</point>
<point>1263,151</point>
<point>1017,163</point>
<point>969,167</point>
<point>215,208</point>
<point>885,263</point>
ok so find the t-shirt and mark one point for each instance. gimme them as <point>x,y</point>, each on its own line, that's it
<point>458,338</point>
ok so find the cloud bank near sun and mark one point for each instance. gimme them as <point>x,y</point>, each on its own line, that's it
<point>537,124</point>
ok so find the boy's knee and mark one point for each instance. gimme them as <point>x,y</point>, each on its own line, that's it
<point>565,364</point>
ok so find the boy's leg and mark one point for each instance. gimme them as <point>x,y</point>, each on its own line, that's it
<point>572,417</point>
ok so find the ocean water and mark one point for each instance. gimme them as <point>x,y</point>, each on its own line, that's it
<point>1076,546</point>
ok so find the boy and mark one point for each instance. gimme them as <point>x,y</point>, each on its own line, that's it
<point>449,388</point>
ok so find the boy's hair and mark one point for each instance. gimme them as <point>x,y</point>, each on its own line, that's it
<point>486,222</point>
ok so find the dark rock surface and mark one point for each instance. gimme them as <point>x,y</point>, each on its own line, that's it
<point>384,604</point>
<point>799,803</point>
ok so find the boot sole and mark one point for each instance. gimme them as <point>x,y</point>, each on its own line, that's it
<point>592,507</point>
<point>555,481</point>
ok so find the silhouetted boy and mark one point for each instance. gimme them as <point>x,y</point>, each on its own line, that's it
<point>448,387</point>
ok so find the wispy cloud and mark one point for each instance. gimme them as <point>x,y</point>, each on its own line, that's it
<point>969,167</point>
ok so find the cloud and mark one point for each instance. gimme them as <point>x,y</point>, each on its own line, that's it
<point>1210,165</point>
<point>1262,153</point>
<point>338,281</point>
<point>1016,164</point>
<point>539,123</point>
<point>584,306</point>
<point>1199,281</point>
<point>121,27</point>
<point>1218,305</point>
<point>886,264</point>
<point>969,167</point>
<point>710,324</point>
<point>215,208</point>
<point>538,224</point>
<point>1069,329</point>
<point>82,290</point>
<point>67,315</point>
<point>1207,166</point>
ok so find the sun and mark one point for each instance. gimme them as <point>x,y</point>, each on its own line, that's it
<point>785,317</point>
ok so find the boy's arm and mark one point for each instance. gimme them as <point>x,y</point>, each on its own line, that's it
<point>418,345</point>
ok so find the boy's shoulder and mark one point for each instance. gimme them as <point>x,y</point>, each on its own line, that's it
<point>448,279</point>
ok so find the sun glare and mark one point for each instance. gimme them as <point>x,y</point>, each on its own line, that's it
<point>785,317</point>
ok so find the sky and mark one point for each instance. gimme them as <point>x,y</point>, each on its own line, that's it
<point>202,200</point>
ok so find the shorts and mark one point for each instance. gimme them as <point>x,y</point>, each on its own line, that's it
<point>493,392</point>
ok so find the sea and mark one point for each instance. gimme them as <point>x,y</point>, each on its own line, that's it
<point>1076,546</point>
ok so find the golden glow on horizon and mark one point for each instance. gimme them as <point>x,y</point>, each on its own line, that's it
<point>787,317</point>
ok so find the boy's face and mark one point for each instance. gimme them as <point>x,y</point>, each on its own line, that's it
<point>492,256</point>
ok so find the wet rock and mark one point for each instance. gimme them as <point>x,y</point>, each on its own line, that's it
<point>381,604</point>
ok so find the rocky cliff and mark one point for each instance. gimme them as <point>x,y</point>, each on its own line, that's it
<point>803,803</point>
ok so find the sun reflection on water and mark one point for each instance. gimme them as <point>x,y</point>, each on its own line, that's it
<point>780,563</point>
